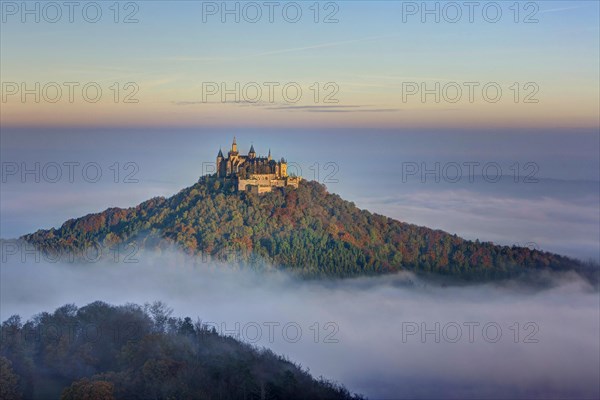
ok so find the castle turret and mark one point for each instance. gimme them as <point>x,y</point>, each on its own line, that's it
<point>283,168</point>
<point>251,153</point>
<point>234,146</point>
<point>218,166</point>
<point>269,156</point>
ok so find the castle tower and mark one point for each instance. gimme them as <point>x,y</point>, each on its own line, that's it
<point>269,156</point>
<point>233,159</point>
<point>251,153</point>
<point>219,163</point>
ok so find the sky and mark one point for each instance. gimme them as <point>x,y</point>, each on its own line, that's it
<point>361,64</point>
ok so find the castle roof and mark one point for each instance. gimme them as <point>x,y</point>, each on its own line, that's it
<point>251,157</point>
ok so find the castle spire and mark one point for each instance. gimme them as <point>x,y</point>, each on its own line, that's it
<point>220,163</point>
<point>269,156</point>
<point>234,146</point>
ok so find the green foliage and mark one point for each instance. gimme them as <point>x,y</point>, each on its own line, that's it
<point>103,352</point>
<point>305,230</point>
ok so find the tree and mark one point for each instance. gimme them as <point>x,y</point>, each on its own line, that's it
<point>160,314</point>
<point>180,361</point>
<point>187,327</point>
<point>9,381</point>
<point>85,389</point>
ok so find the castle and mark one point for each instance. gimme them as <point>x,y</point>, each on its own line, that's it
<point>254,174</point>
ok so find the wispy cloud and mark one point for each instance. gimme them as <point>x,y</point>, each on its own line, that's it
<point>324,45</point>
<point>551,10</point>
<point>282,51</point>
<point>330,108</point>
<point>333,108</point>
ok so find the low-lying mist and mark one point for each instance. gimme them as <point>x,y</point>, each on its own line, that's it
<point>393,336</point>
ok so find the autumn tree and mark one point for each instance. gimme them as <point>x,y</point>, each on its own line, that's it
<point>85,389</point>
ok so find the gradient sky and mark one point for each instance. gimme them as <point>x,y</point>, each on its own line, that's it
<point>369,53</point>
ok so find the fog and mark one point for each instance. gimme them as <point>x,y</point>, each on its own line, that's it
<point>386,337</point>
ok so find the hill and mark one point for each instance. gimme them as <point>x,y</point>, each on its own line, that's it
<point>104,352</point>
<point>305,230</point>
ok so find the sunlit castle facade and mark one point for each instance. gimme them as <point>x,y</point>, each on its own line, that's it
<point>254,174</point>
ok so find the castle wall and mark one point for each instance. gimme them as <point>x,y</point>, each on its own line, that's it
<point>259,189</point>
<point>264,185</point>
<point>264,179</point>
<point>293,181</point>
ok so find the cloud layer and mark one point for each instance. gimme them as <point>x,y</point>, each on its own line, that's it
<point>387,337</point>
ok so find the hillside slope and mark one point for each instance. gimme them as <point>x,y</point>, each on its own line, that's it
<point>142,353</point>
<point>308,230</point>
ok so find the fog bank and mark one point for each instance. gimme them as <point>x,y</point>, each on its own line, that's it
<point>386,337</point>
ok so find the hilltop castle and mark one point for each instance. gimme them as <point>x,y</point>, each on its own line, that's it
<point>254,174</point>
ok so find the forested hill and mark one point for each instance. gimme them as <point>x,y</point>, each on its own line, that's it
<point>307,230</point>
<point>105,352</point>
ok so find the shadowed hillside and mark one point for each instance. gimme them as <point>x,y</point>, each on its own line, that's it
<point>103,352</point>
